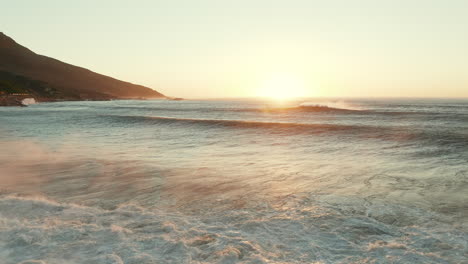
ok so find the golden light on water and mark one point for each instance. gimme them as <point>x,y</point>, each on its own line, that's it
<point>283,87</point>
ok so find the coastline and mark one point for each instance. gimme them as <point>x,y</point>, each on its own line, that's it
<point>10,101</point>
<point>16,100</point>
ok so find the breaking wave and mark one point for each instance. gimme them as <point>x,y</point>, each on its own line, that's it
<point>334,106</point>
<point>319,107</point>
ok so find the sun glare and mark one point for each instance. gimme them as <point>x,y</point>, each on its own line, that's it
<point>282,87</point>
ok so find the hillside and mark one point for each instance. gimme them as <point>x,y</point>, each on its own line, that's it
<point>22,70</point>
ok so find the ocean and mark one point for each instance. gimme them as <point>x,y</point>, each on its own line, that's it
<point>235,181</point>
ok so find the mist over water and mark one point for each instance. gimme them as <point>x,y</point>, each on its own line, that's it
<point>240,181</point>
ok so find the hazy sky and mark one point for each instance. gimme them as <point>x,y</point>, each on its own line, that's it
<point>240,48</point>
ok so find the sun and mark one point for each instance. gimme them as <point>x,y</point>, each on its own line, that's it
<point>282,87</point>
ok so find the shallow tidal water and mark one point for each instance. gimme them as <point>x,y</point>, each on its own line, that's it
<point>235,181</point>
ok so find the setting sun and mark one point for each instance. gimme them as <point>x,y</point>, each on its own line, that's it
<point>282,87</point>
<point>257,131</point>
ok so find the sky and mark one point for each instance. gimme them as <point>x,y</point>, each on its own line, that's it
<point>245,48</point>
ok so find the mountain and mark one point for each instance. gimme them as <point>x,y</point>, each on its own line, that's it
<point>23,71</point>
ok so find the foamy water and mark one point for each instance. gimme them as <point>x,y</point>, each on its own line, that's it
<point>363,181</point>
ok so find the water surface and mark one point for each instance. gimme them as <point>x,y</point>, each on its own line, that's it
<point>248,181</point>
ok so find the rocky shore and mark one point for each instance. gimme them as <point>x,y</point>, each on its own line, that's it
<point>19,100</point>
<point>11,100</point>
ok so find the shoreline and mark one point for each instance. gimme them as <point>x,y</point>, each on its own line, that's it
<point>16,100</point>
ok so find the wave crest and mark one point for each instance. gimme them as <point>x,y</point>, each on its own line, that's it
<point>333,106</point>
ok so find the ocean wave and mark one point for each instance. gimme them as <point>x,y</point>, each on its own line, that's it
<point>325,229</point>
<point>237,123</point>
<point>336,105</point>
<point>303,107</point>
<point>449,141</point>
<point>271,127</point>
<point>326,108</point>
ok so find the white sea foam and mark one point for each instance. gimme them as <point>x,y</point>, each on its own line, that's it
<point>332,104</point>
<point>299,230</point>
<point>28,101</point>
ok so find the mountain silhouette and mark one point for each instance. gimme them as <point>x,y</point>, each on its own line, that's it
<point>23,71</point>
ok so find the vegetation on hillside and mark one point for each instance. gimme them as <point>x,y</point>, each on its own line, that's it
<point>16,84</point>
